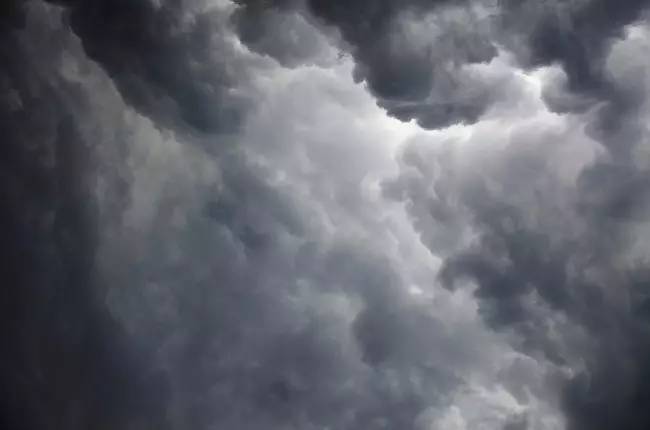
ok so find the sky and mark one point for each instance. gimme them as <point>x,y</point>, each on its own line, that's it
<point>325,214</point>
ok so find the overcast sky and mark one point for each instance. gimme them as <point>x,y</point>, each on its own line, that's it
<point>325,214</point>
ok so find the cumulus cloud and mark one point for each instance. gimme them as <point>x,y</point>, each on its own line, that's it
<point>324,215</point>
<point>415,57</point>
<point>550,220</point>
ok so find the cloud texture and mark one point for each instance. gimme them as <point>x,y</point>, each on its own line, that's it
<point>305,214</point>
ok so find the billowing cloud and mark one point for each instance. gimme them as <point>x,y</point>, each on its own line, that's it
<point>419,57</point>
<point>416,57</point>
<point>66,363</point>
<point>550,221</point>
<point>172,60</point>
<point>324,215</point>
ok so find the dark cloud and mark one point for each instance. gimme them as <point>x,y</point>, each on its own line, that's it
<point>279,32</point>
<point>66,362</point>
<point>176,298</point>
<point>574,34</point>
<point>578,37</point>
<point>171,61</point>
<point>265,318</point>
<point>414,75</point>
<point>184,252</point>
<point>12,14</point>
<point>552,250</point>
<point>515,265</point>
<point>413,56</point>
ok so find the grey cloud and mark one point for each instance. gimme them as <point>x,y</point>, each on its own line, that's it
<point>414,56</point>
<point>575,34</point>
<point>579,36</point>
<point>281,335</point>
<point>171,268</point>
<point>12,14</point>
<point>178,305</point>
<point>263,348</point>
<point>279,33</point>
<point>66,362</point>
<point>547,247</point>
<point>262,316</point>
<point>171,61</point>
<point>517,423</point>
<point>414,76</point>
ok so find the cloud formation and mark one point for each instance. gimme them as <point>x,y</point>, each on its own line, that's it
<point>324,214</point>
<point>67,363</point>
<point>552,241</point>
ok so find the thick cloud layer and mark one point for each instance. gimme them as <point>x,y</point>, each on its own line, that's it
<point>220,214</point>
<point>66,362</point>
<point>554,242</point>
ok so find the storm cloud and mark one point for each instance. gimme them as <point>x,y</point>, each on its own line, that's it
<point>305,214</point>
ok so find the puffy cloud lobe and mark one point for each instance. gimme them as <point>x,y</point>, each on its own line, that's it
<point>412,80</point>
<point>413,56</point>
<point>283,34</point>
<point>578,36</point>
